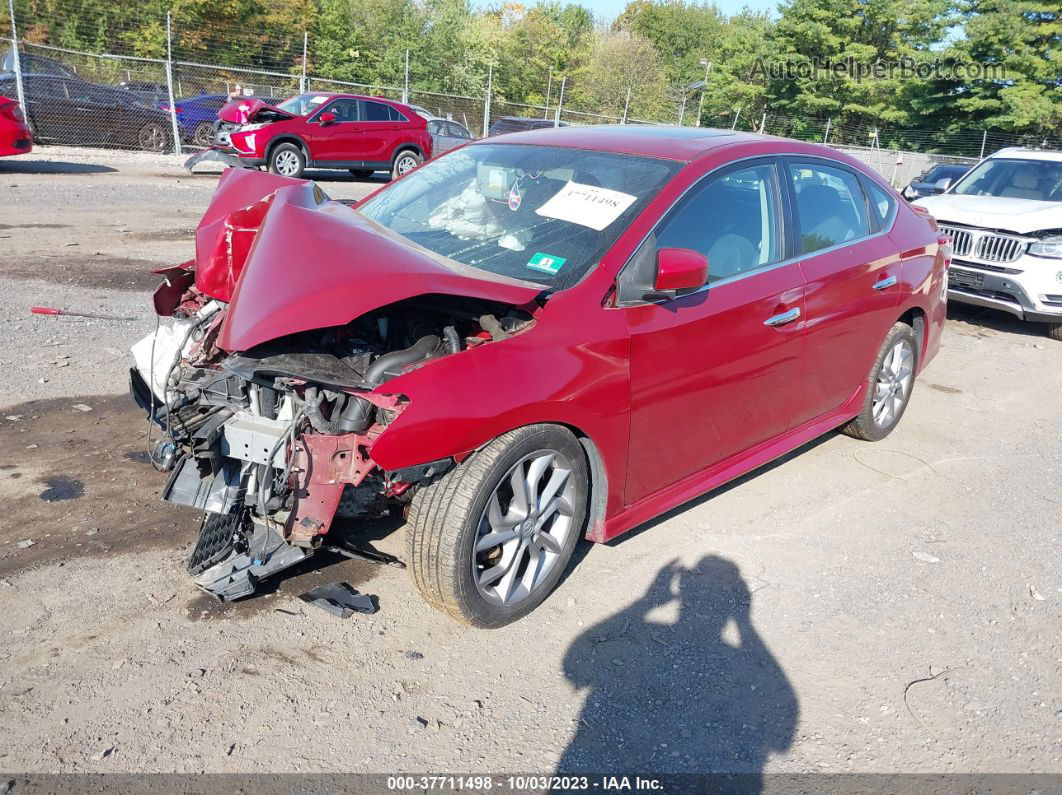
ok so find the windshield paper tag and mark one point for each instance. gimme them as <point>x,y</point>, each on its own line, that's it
<point>586,205</point>
<point>545,262</point>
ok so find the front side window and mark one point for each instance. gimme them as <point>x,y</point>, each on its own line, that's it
<point>346,110</point>
<point>732,219</point>
<point>537,213</point>
<point>831,206</point>
<point>1014,178</point>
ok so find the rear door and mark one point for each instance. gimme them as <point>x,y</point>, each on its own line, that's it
<point>852,272</point>
<point>381,125</point>
<point>716,372</point>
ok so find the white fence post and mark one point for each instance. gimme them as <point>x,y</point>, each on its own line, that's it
<point>405,85</point>
<point>626,105</point>
<point>560,102</point>
<point>18,64</point>
<point>984,133</point>
<point>169,87</point>
<point>763,122</point>
<point>737,114</point>
<point>305,52</point>
<point>486,102</point>
<point>826,137</point>
<point>549,90</point>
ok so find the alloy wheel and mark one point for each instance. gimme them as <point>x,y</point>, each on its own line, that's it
<point>152,138</point>
<point>524,527</point>
<point>894,383</point>
<point>406,163</point>
<point>286,163</point>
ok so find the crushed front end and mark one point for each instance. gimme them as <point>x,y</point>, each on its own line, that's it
<point>273,440</point>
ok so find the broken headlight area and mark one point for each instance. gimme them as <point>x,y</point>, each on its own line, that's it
<point>275,443</point>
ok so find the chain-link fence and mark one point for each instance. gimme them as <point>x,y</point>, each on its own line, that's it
<point>149,81</point>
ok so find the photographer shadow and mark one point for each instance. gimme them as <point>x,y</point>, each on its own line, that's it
<point>700,695</point>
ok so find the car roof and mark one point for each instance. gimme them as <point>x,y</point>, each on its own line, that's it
<point>1020,153</point>
<point>674,143</point>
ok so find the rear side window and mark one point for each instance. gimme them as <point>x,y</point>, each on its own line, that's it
<point>396,114</point>
<point>732,219</point>
<point>831,206</point>
<point>457,131</point>
<point>375,111</point>
<point>881,204</point>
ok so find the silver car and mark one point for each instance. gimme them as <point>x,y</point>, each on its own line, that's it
<point>447,135</point>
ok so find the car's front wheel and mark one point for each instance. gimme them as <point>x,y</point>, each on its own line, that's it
<point>889,386</point>
<point>489,540</point>
<point>405,161</point>
<point>152,137</point>
<point>287,160</point>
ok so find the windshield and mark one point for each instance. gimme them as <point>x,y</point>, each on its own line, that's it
<point>303,104</point>
<point>537,213</point>
<point>1039,180</point>
<point>937,173</point>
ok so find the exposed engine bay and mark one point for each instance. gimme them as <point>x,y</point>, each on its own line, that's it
<point>274,442</point>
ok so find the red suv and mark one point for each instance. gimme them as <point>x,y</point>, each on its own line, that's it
<point>361,134</point>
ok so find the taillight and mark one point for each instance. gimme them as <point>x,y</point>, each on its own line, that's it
<point>13,111</point>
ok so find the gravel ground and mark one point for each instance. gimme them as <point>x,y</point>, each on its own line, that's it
<point>855,607</point>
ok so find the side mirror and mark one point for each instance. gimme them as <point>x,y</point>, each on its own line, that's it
<point>942,185</point>
<point>327,118</point>
<point>680,269</point>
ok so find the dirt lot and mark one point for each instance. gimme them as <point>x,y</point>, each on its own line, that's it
<point>855,607</point>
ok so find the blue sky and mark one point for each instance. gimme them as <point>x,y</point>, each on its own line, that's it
<point>611,9</point>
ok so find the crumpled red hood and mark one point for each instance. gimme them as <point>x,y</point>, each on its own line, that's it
<point>242,111</point>
<point>315,263</point>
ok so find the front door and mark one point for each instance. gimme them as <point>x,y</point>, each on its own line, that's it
<point>717,371</point>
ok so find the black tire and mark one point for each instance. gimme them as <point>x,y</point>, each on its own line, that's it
<point>361,173</point>
<point>1054,331</point>
<point>203,135</point>
<point>865,426</point>
<point>287,160</point>
<point>447,518</point>
<point>152,137</point>
<point>405,161</point>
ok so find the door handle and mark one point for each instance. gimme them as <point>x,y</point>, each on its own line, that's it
<point>885,283</point>
<point>782,319</point>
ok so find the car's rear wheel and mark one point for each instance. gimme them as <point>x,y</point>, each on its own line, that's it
<point>489,541</point>
<point>361,173</point>
<point>287,160</point>
<point>203,134</point>
<point>152,137</point>
<point>889,386</point>
<point>405,161</point>
<point>1054,331</point>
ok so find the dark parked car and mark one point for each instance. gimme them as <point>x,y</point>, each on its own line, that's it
<point>925,184</point>
<point>67,110</point>
<point>447,135</point>
<point>527,342</point>
<point>510,124</point>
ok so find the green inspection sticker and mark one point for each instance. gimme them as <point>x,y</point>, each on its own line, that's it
<point>545,262</point>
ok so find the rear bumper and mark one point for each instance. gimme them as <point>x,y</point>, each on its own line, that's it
<point>17,142</point>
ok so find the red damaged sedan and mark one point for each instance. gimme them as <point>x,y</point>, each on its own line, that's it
<point>533,339</point>
<point>16,138</point>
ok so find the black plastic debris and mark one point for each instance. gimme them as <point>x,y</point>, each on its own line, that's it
<point>339,599</point>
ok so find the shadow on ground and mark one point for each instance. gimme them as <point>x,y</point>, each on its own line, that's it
<point>681,682</point>
<point>15,166</point>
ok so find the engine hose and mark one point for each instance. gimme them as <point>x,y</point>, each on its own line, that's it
<point>312,410</point>
<point>451,340</point>
<point>419,351</point>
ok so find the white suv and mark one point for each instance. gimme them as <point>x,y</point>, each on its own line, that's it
<point>1005,222</point>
